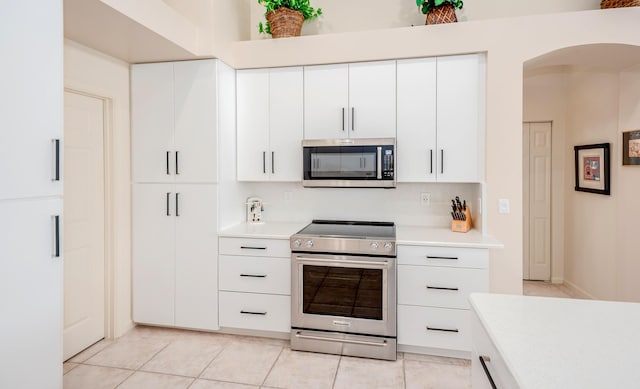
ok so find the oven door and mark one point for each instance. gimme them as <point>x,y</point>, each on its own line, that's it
<point>344,293</point>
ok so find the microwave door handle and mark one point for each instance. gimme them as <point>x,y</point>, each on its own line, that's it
<point>379,160</point>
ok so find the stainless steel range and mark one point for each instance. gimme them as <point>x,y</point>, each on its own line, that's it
<point>343,281</point>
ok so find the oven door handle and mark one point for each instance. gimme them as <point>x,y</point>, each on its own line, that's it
<point>342,261</point>
<point>362,342</point>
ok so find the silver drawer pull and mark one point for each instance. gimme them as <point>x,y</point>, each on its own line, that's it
<point>253,313</point>
<point>252,248</point>
<point>442,288</point>
<point>451,258</point>
<point>365,343</point>
<point>442,329</point>
<point>483,359</point>
<point>254,275</point>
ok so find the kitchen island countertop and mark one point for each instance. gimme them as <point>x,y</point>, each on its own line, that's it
<point>563,343</point>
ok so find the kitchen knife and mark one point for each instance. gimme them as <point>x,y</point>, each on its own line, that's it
<point>464,205</point>
<point>459,204</point>
<point>453,215</point>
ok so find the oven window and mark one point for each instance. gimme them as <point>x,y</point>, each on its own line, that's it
<point>340,291</point>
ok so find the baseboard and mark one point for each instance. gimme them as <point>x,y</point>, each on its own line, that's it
<point>578,291</point>
<point>557,280</point>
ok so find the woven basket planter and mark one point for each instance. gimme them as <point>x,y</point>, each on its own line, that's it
<point>619,3</point>
<point>285,22</point>
<point>442,14</point>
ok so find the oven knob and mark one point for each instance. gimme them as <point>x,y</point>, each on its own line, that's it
<point>388,246</point>
<point>374,245</point>
<point>297,243</point>
<point>309,243</point>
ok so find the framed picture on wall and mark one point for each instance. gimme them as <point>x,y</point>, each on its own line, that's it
<point>592,168</point>
<point>631,147</point>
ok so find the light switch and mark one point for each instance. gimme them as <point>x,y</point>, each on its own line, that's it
<point>504,206</point>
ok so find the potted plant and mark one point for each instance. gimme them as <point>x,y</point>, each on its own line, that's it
<point>439,11</point>
<point>285,17</point>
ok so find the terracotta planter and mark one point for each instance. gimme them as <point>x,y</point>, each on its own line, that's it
<point>442,14</point>
<point>285,22</point>
<point>619,3</point>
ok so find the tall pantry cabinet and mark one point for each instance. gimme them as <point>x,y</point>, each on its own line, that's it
<point>175,123</point>
<point>31,299</point>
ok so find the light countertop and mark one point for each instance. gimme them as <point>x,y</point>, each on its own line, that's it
<point>564,343</point>
<point>267,230</point>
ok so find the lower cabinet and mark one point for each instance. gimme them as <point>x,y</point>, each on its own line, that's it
<point>495,370</point>
<point>175,251</point>
<point>255,284</point>
<point>434,284</point>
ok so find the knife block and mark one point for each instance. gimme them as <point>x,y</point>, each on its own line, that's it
<point>462,225</point>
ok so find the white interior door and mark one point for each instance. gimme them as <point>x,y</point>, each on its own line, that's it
<point>539,200</point>
<point>84,274</point>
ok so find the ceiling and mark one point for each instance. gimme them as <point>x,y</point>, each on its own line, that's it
<point>607,57</point>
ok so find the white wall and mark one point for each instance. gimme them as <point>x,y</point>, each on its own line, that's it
<point>362,15</point>
<point>91,72</point>
<point>545,99</point>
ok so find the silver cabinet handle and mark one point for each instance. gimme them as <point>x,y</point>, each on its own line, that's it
<point>379,166</point>
<point>168,162</point>
<point>177,170</point>
<point>252,248</point>
<point>177,204</point>
<point>483,359</point>
<point>341,261</point>
<point>55,252</point>
<point>253,313</point>
<point>353,119</point>
<point>168,196</point>
<point>378,344</point>
<point>431,161</point>
<point>442,288</point>
<point>264,162</point>
<point>442,329</point>
<point>254,275</point>
<point>450,258</point>
<point>56,160</point>
<point>342,119</point>
<point>442,161</point>
<point>273,168</point>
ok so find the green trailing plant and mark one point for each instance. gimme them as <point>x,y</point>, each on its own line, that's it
<point>303,6</point>
<point>427,5</point>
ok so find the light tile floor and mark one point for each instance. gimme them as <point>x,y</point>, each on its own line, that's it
<point>547,289</point>
<point>159,358</point>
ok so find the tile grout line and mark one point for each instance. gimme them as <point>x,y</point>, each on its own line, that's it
<point>272,365</point>
<point>141,366</point>
<point>211,361</point>
<point>404,373</point>
<point>335,376</point>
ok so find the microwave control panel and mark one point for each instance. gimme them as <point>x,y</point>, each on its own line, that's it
<point>387,163</point>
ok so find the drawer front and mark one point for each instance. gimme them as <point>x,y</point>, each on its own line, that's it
<point>444,287</point>
<point>255,247</point>
<point>263,312</point>
<point>497,369</point>
<point>255,274</point>
<point>434,327</point>
<point>443,256</point>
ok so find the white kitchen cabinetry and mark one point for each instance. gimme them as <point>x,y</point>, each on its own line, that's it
<point>269,122</point>
<point>174,251</point>
<point>255,284</point>
<point>356,100</point>
<point>496,369</point>
<point>434,284</point>
<point>174,119</point>
<point>441,119</point>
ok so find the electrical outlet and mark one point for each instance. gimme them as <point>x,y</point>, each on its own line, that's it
<point>425,198</point>
<point>504,207</point>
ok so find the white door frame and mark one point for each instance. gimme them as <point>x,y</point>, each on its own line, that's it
<point>109,281</point>
<point>526,206</point>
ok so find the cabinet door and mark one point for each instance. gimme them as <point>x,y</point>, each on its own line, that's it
<point>195,159</point>
<point>196,219</point>
<point>31,95</point>
<point>285,123</point>
<point>372,100</point>
<point>326,99</point>
<point>416,138</point>
<point>460,117</point>
<point>152,122</point>
<point>153,254</point>
<point>30,294</point>
<point>253,124</point>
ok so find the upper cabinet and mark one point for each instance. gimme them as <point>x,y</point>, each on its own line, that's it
<point>441,119</point>
<point>269,124</point>
<point>355,100</point>
<point>174,120</point>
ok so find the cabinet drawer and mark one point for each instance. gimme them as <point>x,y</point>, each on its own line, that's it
<point>483,346</point>
<point>444,287</point>
<point>255,247</point>
<point>255,274</point>
<point>443,256</point>
<point>434,327</point>
<point>253,311</point>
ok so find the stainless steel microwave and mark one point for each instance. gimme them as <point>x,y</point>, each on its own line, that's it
<point>357,163</point>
